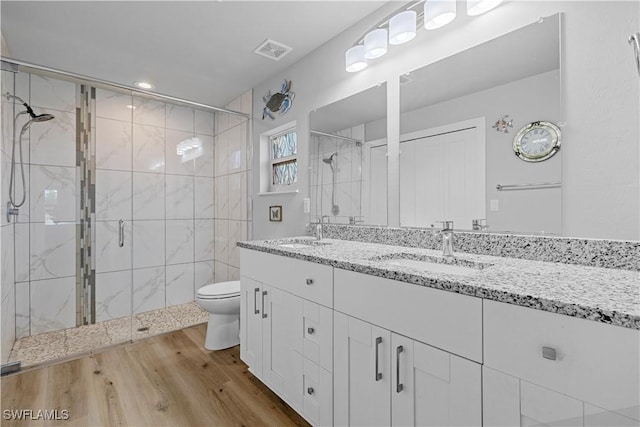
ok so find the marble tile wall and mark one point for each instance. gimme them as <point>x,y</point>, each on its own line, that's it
<point>164,196</point>
<point>348,189</point>
<point>45,230</point>
<point>231,203</point>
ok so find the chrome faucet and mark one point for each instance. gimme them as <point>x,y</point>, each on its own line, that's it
<point>479,224</point>
<point>318,230</point>
<point>447,238</point>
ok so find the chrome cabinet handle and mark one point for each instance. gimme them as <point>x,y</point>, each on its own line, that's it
<point>399,386</point>
<point>549,353</point>
<point>309,281</point>
<point>264,314</point>
<point>310,390</point>
<point>378,374</point>
<point>255,301</point>
<point>121,233</point>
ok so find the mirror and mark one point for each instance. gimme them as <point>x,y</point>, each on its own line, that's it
<point>454,151</point>
<point>348,161</point>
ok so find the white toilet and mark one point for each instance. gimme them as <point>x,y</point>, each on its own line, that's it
<point>222,301</point>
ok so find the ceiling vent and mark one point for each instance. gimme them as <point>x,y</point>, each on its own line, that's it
<point>272,50</point>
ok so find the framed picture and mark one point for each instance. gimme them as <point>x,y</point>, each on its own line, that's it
<point>275,213</point>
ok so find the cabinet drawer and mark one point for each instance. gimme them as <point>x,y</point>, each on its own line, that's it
<point>594,362</point>
<point>317,342</point>
<point>446,320</point>
<point>301,278</point>
<point>317,405</point>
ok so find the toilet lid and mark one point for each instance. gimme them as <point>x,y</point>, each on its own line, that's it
<point>220,290</point>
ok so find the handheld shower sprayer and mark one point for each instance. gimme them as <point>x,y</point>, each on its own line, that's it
<point>34,118</point>
<point>29,110</point>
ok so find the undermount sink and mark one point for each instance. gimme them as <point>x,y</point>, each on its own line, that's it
<point>300,243</point>
<point>433,264</point>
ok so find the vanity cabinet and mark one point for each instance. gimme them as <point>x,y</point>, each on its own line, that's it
<point>347,348</point>
<point>286,339</point>
<point>382,377</point>
<point>542,367</point>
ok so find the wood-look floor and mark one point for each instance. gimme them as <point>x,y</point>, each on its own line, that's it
<point>167,380</point>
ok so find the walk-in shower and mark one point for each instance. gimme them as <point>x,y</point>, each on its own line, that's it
<point>336,176</point>
<point>117,225</point>
<point>12,206</point>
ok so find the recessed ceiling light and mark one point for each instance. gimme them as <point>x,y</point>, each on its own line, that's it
<point>144,85</point>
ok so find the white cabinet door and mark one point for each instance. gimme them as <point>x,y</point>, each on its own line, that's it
<point>431,387</point>
<point>510,401</point>
<point>597,417</point>
<point>540,406</point>
<point>362,380</point>
<point>500,399</point>
<point>281,314</point>
<point>251,324</point>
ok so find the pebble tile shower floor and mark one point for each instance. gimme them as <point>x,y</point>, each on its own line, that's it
<point>64,344</point>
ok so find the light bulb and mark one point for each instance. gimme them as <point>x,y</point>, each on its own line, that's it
<point>375,43</point>
<point>438,13</point>
<point>355,60</point>
<point>402,27</point>
<point>478,7</point>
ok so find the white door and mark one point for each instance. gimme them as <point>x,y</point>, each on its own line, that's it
<point>500,399</point>
<point>362,380</point>
<point>432,387</point>
<point>442,175</point>
<point>509,401</point>
<point>281,315</point>
<point>251,324</point>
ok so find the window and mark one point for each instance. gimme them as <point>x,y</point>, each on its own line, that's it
<point>283,149</point>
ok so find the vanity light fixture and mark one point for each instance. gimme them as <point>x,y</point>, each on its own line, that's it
<point>478,7</point>
<point>375,43</point>
<point>438,13</point>
<point>401,26</point>
<point>144,85</point>
<point>355,59</point>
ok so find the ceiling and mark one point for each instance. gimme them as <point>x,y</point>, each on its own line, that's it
<point>197,50</point>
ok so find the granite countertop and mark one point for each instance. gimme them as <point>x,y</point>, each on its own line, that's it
<point>604,295</point>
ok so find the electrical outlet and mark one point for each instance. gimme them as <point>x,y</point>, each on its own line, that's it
<point>306,204</point>
<point>494,205</point>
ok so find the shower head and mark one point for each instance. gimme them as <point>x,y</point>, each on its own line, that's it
<point>329,159</point>
<point>43,118</point>
<point>34,117</point>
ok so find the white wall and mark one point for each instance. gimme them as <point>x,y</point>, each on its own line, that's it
<point>600,97</point>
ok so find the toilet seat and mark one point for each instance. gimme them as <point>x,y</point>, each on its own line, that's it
<point>221,290</point>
